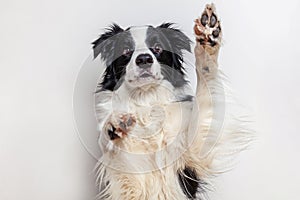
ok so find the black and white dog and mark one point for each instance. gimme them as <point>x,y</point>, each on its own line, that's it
<point>159,139</point>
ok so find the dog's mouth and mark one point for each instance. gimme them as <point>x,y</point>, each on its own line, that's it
<point>145,75</point>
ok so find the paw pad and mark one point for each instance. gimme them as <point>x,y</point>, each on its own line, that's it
<point>120,125</point>
<point>208,28</point>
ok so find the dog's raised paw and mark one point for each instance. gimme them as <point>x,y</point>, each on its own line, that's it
<point>120,125</point>
<point>208,28</point>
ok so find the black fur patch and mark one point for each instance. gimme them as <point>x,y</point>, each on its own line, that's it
<point>173,42</point>
<point>111,45</point>
<point>190,183</point>
<point>112,135</point>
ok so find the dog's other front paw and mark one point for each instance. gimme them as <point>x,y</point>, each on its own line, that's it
<point>208,28</point>
<point>120,125</point>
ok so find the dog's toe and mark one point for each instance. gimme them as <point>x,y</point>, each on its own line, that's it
<point>111,131</point>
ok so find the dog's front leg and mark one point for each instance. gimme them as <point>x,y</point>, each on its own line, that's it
<point>208,41</point>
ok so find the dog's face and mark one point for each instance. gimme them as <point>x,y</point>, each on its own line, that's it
<point>142,56</point>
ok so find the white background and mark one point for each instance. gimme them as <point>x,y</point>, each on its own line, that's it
<point>44,42</point>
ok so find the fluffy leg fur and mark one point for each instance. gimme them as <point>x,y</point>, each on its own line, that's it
<point>208,106</point>
<point>222,129</point>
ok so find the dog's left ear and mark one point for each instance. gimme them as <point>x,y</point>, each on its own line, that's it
<point>104,44</point>
<point>178,39</point>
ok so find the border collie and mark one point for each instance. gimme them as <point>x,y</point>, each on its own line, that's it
<point>161,140</point>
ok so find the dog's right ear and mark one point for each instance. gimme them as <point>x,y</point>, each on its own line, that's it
<point>104,44</point>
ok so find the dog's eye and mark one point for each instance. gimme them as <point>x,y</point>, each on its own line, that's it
<point>127,51</point>
<point>157,48</point>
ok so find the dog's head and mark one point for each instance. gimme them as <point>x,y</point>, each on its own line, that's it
<point>141,56</point>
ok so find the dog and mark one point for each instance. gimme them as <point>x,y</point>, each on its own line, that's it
<point>159,138</point>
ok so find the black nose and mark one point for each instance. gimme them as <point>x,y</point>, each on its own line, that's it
<point>144,60</point>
